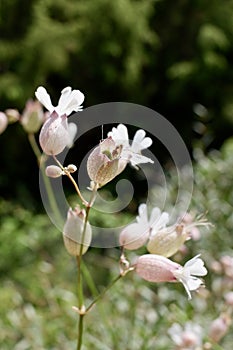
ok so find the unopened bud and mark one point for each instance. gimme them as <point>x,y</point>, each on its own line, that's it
<point>3,122</point>
<point>53,171</point>
<point>71,168</point>
<point>12,115</point>
<point>32,117</point>
<point>229,298</point>
<point>219,328</point>
<point>54,134</point>
<point>75,239</point>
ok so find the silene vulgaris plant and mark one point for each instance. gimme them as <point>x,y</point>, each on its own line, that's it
<point>151,228</point>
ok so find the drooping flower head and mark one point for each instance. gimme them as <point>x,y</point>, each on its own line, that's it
<point>131,153</point>
<point>157,268</point>
<point>103,162</point>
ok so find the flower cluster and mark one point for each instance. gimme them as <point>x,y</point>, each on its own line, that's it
<point>105,162</point>
<point>163,241</point>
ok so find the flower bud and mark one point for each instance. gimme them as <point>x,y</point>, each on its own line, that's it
<point>12,115</point>
<point>229,298</point>
<point>219,327</point>
<point>76,241</point>
<point>71,168</point>
<point>167,241</point>
<point>3,122</point>
<point>53,171</point>
<point>32,117</point>
<point>54,134</point>
<point>102,163</point>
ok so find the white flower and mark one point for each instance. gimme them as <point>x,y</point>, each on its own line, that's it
<point>188,337</point>
<point>187,274</point>
<point>156,221</point>
<point>157,268</point>
<point>131,153</point>
<point>135,235</point>
<point>69,101</point>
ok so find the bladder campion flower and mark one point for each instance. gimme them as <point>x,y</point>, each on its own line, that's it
<point>131,154</point>
<point>170,239</point>
<point>103,162</point>
<point>167,241</point>
<point>55,134</point>
<point>135,235</point>
<point>75,239</point>
<point>157,268</point>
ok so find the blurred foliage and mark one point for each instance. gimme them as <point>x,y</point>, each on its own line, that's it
<point>38,278</point>
<point>174,58</point>
<point>166,56</point>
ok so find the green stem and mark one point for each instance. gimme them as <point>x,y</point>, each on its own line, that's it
<point>72,180</point>
<point>80,332</point>
<point>79,279</point>
<point>41,163</point>
<point>101,295</point>
<point>35,148</point>
<point>82,311</point>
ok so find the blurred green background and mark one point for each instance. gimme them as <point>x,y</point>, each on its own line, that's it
<point>174,57</point>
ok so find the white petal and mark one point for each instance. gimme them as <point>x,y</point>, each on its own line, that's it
<point>194,283</point>
<point>69,101</point>
<point>136,159</point>
<point>133,236</point>
<point>146,143</point>
<point>196,267</point>
<point>44,98</point>
<point>158,220</point>
<point>142,218</point>
<point>64,99</point>
<point>120,135</point>
<point>140,142</point>
<point>72,130</point>
<point>138,137</point>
